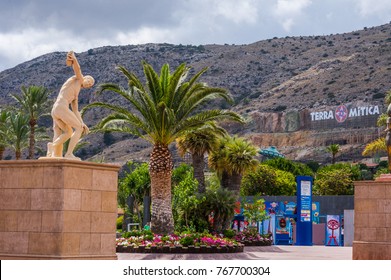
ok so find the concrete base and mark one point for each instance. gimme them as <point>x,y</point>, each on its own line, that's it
<point>57,209</point>
<point>372,220</point>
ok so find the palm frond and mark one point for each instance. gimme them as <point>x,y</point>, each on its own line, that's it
<point>376,146</point>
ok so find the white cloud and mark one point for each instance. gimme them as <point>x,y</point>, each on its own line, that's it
<point>30,43</point>
<point>146,35</point>
<point>379,8</point>
<point>237,11</point>
<point>288,11</point>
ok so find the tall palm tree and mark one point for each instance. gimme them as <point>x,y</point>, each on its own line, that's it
<point>234,157</point>
<point>334,149</point>
<point>166,108</point>
<point>18,133</point>
<point>3,131</point>
<point>33,101</point>
<point>375,147</point>
<point>199,142</point>
<point>379,145</point>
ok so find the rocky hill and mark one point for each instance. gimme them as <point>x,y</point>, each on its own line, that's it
<point>288,88</point>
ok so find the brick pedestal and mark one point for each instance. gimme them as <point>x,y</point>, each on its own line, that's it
<point>57,209</point>
<point>372,220</point>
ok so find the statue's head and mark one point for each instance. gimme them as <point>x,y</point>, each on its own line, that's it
<point>88,81</point>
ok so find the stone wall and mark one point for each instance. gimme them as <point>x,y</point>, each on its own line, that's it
<point>372,220</point>
<point>57,209</point>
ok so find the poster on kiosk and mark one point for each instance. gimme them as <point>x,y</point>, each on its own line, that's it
<point>304,211</point>
<point>333,231</point>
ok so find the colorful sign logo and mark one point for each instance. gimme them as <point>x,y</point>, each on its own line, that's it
<point>341,113</point>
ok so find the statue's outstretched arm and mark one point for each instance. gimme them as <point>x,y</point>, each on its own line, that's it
<point>76,66</point>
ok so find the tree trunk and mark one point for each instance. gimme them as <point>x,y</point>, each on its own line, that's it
<point>32,139</point>
<point>235,180</point>
<point>199,165</point>
<point>160,169</point>
<point>17,155</point>
<point>225,181</point>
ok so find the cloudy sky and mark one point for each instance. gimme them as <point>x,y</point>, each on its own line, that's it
<point>32,28</point>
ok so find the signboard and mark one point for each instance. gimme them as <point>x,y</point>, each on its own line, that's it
<point>357,115</point>
<point>315,212</point>
<point>304,210</point>
<point>333,230</point>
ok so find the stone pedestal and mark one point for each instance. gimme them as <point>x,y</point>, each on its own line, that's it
<point>372,220</point>
<point>57,209</point>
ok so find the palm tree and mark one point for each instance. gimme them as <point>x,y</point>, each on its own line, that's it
<point>33,101</point>
<point>18,125</point>
<point>379,145</point>
<point>334,150</point>
<point>199,142</point>
<point>375,147</point>
<point>3,131</point>
<point>166,108</point>
<point>234,157</point>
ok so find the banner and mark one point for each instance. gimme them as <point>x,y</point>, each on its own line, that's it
<point>333,230</point>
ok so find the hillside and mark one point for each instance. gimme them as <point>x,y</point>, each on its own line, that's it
<point>277,84</point>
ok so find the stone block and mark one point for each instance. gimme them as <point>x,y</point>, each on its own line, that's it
<point>56,180</point>
<point>380,234</point>
<point>78,178</point>
<point>72,199</point>
<point>45,243</point>
<point>47,199</point>
<point>103,180</point>
<point>75,221</point>
<point>360,191</point>
<point>8,221</point>
<point>361,220</point>
<point>388,192</point>
<point>103,222</point>
<point>71,244</point>
<point>91,201</point>
<point>52,221</point>
<point>376,220</point>
<point>14,242</point>
<point>90,244</point>
<point>376,191</point>
<point>388,221</point>
<point>15,199</point>
<point>106,240</point>
<point>29,221</point>
<point>9,178</point>
<point>109,202</point>
<point>30,177</point>
<point>365,234</point>
<point>371,251</point>
<point>362,205</point>
<point>387,206</point>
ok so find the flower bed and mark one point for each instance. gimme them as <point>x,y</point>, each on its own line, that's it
<point>184,243</point>
<point>251,237</point>
<point>147,242</point>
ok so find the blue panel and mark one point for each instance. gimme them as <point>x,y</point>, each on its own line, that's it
<point>304,211</point>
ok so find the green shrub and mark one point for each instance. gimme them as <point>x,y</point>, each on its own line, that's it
<point>120,220</point>
<point>187,241</point>
<point>229,233</point>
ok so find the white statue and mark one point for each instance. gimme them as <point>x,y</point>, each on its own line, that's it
<point>67,122</point>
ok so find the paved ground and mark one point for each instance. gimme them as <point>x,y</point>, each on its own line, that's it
<point>257,253</point>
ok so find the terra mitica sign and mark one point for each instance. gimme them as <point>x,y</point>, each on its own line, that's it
<point>341,113</point>
<point>357,115</point>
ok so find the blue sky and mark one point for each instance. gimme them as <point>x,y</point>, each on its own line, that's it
<point>32,28</point>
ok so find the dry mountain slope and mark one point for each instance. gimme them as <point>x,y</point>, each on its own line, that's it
<point>272,77</point>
